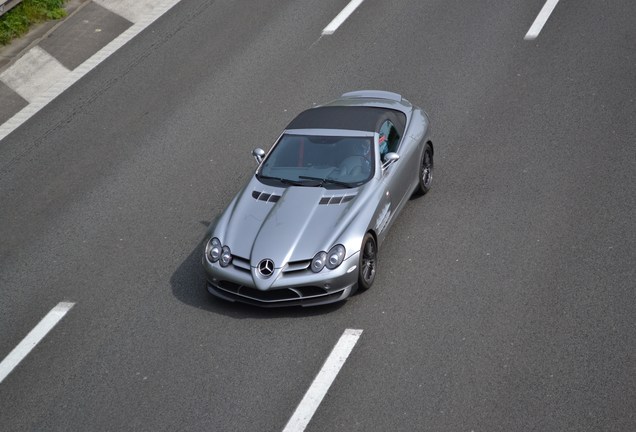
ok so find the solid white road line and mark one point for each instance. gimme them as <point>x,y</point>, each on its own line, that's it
<point>341,17</point>
<point>318,389</point>
<point>541,19</point>
<point>161,7</point>
<point>33,338</point>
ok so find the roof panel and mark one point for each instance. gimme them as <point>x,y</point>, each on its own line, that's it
<point>362,118</point>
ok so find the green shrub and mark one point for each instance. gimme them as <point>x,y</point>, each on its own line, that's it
<point>17,21</point>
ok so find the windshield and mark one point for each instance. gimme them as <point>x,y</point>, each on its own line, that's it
<point>329,161</point>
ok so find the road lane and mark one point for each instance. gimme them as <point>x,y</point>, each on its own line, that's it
<point>118,227</point>
<point>525,303</point>
<point>485,326</point>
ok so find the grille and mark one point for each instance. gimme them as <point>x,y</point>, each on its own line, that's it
<point>240,263</point>
<point>243,264</point>
<point>297,266</point>
<point>263,196</point>
<point>340,199</point>
<point>284,294</point>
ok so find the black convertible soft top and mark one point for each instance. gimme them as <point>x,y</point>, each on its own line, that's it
<point>360,118</point>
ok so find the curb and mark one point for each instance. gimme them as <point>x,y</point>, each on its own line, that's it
<point>55,59</point>
<point>10,53</point>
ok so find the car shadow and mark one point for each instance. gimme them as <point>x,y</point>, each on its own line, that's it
<point>417,196</point>
<point>189,286</point>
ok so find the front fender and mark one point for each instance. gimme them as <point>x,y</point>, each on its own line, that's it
<point>372,214</point>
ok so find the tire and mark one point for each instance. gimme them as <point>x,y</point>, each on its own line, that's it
<point>368,262</point>
<point>425,173</point>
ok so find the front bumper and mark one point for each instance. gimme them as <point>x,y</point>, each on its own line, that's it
<point>294,288</point>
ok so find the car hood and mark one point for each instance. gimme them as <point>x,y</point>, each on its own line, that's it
<point>284,224</point>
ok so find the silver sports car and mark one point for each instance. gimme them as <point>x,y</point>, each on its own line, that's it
<point>306,228</point>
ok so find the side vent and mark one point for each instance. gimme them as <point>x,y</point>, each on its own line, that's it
<point>262,196</point>
<point>340,199</point>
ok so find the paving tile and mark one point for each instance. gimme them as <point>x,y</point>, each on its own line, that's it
<point>93,25</point>
<point>11,102</point>
<point>33,73</point>
<point>132,10</point>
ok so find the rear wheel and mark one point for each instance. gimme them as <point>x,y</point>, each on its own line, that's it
<point>425,171</point>
<point>368,262</point>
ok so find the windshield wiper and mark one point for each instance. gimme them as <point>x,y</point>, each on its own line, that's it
<point>282,180</point>
<point>327,180</point>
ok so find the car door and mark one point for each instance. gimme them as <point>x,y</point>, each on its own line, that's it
<point>395,179</point>
<point>398,174</point>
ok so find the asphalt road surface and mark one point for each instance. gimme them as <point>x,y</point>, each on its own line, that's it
<point>505,299</point>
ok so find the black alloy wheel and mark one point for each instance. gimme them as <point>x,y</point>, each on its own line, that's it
<point>426,171</point>
<point>368,262</point>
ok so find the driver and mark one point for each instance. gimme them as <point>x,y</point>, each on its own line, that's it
<point>359,159</point>
<point>383,139</point>
<point>364,149</point>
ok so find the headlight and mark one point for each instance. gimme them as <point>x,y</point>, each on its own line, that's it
<point>319,261</point>
<point>226,256</point>
<point>335,256</point>
<point>213,249</point>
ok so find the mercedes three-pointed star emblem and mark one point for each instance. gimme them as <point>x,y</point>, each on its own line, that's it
<point>266,268</point>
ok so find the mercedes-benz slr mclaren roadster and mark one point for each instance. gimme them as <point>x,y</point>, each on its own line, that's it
<point>306,228</point>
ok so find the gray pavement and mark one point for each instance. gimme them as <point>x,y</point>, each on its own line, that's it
<point>505,297</point>
<point>12,102</point>
<point>83,34</point>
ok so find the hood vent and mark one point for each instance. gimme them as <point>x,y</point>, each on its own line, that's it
<point>262,196</point>
<point>340,199</point>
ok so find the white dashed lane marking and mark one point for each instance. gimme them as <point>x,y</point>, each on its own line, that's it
<point>341,17</point>
<point>541,19</point>
<point>33,338</point>
<point>318,389</point>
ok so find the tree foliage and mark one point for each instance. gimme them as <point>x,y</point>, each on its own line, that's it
<point>18,20</point>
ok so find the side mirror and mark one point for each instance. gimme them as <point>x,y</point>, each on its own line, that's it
<point>258,154</point>
<point>389,159</point>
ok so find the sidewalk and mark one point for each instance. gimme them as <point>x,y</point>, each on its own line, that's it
<point>30,65</point>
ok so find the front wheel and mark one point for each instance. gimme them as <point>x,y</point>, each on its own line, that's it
<point>425,173</point>
<point>368,262</point>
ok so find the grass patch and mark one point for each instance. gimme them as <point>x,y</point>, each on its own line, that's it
<point>18,20</point>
